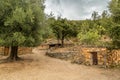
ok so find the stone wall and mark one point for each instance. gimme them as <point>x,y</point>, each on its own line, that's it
<point>101,52</point>
<point>104,56</point>
<point>61,53</point>
<point>113,57</point>
<point>82,55</point>
<point>21,50</point>
<point>1,50</point>
<point>25,50</point>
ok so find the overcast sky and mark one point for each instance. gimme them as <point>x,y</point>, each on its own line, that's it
<point>75,9</point>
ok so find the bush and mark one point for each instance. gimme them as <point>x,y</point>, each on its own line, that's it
<point>90,38</point>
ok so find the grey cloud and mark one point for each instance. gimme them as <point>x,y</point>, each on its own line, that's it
<point>75,9</point>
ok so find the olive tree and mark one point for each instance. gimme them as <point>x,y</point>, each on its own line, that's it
<point>21,24</point>
<point>63,28</point>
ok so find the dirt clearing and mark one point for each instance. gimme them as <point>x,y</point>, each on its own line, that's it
<point>37,66</point>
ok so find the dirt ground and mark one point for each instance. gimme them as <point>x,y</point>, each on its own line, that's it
<point>37,66</point>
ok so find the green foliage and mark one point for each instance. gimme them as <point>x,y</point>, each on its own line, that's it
<point>115,32</point>
<point>114,7</point>
<point>21,22</point>
<point>115,35</point>
<point>90,38</point>
<point>106,22</point>
<point>95,16</point>
<point>62,28</point>
<point>91,31</point>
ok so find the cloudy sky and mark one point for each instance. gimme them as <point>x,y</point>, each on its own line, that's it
<point>75,9</point>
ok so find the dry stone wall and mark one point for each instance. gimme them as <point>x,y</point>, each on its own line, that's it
<point>25,50</point>
<point>21,50</point>
<point>113,57</point>
<point>82,55</point>
<point>1,50</point>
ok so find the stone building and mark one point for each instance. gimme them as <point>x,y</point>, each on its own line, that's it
<point>101,56</point>
<point>87,55</point>
<point>94,56</point>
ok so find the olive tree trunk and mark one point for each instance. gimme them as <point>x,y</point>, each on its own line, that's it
<point>62,41</point>
<point>13,54</point>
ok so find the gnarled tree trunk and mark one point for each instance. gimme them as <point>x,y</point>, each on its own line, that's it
<point>13,54</point>
<point>62,41</point>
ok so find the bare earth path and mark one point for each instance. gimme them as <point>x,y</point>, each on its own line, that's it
<point>37,66</point>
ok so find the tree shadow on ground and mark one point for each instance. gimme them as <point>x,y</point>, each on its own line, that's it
<point>21,59</point>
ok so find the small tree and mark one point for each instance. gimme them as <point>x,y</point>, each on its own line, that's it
<point>90,31</point>
<point>89,38</point>
<point>62,28</point>
<point>21,24</point>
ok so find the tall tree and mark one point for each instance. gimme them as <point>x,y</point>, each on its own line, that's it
<point>21,24</point>
<point>105,14</point>
<point>95,16</point>
<point>114,7</point>
<point>105,22</point>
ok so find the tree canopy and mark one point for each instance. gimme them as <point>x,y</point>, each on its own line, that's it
<point>63,28</point>
<point>114,7</point>
<point>21,23</point>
